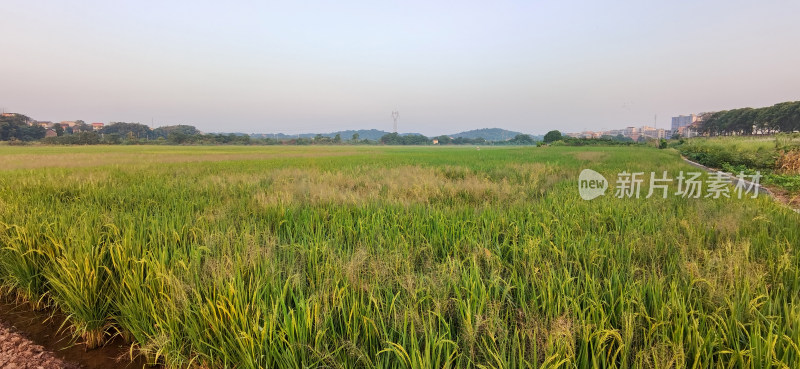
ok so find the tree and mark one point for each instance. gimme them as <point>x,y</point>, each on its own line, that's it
<point>521,140</point>
<point>180,128</point>
<point>415,140</point>
<point>80,126</point>
<point>355,137</point>
<point>112,139</point>
<point>122,129</point>
<point>552,136</point>
<point>396,139</point>
<point>86,138</point>
<point>781,117</point>
<point>59,130</point>
<point>391,139</point>
<point>15,127</point>
<point>337,138</point>
<point>177,137</point>
<point>444,139</point>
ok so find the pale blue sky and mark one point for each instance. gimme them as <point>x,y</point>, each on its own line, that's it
<point>447,66</point>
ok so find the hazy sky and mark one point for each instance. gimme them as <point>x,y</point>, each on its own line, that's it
<point>447,66</point>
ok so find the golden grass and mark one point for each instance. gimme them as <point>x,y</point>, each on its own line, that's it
<point>142,157</point>
<point>789,162</point>
<point>400,185</point>
<point>591,156</point>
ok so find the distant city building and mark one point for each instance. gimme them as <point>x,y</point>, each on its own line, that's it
<point>631,132</point>
<point>652,132</point>
<point>586,134</point>
<point>683,121</point>
<point>688,131</point>
<point>50,133</point>
<point>97,126</point>
<point>634,133</point>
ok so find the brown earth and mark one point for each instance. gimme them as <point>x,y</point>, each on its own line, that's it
<point>35,339</point>
<point>18,352</point>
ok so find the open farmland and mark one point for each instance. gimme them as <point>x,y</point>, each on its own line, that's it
<point>362,257</point>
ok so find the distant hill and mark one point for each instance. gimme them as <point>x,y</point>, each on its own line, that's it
<point>488,134</point>
<point>363,134</point>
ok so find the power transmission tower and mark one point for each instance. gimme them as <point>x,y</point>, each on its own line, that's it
<point>395,116</point>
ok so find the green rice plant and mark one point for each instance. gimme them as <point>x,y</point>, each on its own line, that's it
<point>397,257</point>
<point>23,258</point>
<point>81,282</point>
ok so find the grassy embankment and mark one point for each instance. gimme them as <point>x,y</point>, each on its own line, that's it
<point>776,157</point>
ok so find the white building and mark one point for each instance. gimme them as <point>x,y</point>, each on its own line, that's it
<point>683,121</point>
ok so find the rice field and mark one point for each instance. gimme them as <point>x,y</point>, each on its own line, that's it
<point>390,257</point>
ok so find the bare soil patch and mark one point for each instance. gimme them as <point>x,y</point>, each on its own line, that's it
<point>30,339</point>
<point>18,352</point>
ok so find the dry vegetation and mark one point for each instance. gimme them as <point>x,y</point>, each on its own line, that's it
<point>82,156</point>
<point>789,162</point>
<point>404,185</point>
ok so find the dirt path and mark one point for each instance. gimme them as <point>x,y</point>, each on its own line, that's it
<point>34,340</point>
<point>776,193</point>
<point>18,352</point>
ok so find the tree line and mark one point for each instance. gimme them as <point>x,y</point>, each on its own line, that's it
<point>782,117</point>
<point>119,133</point>
<point>16,128</point>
